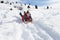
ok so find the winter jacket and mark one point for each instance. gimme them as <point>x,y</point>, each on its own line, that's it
<point>22,17</point>
<point>28,18</point>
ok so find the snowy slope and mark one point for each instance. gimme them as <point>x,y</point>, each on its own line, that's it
<point>45,25</point>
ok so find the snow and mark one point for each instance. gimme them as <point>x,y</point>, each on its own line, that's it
<point>45,25</point>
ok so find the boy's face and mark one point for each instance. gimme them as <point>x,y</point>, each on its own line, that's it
<point>28,15</point>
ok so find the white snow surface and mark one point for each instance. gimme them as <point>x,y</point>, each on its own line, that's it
<point>45,25</point>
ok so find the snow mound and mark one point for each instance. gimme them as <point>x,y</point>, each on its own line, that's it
<point>45,25</point>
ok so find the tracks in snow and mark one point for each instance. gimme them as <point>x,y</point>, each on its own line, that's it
<point>48,30</point>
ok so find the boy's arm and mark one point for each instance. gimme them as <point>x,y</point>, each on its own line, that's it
<point>20,14</point>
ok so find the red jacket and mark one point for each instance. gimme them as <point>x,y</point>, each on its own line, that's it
<point>22,18</point>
